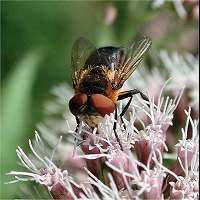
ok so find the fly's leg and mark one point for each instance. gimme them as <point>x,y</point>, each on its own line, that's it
<point>127,94</point>
<point>125,109</point>
<point>78,124</point>
<point>76,144</point>
<point>115,127</point>
<point>77,127</point>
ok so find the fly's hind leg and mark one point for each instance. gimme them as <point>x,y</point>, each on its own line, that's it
<point>115,128</point>
<point>129,94</point>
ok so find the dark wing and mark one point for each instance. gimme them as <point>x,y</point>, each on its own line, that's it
<point>128,59</point>
<point>81,50</point>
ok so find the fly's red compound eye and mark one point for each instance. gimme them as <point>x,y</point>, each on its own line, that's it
<point>77,103</point>
<point>102,104</point>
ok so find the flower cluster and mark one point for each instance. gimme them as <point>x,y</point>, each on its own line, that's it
<point>134,171</point>
<point>137,163</point>
<point>181,7</point>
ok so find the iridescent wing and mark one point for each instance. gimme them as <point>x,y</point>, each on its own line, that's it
<point>128,59</point>
<point>81,50</point>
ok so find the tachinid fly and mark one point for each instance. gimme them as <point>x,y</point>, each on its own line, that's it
<point>98,76</point>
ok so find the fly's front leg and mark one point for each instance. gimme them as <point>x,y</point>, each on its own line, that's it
<point>77,127</point>
<point>129,94</point>
<point>78,124</point>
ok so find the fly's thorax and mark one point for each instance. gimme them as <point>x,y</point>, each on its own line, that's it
<point>95,81</point>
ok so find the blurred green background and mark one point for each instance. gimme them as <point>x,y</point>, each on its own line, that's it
<point>36,40</point>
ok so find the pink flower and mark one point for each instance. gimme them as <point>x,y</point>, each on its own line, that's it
<point>46,173</point>
<point>135,171</point>
<point>156,181</point>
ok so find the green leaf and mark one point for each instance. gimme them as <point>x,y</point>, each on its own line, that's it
<point>16,115</point>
